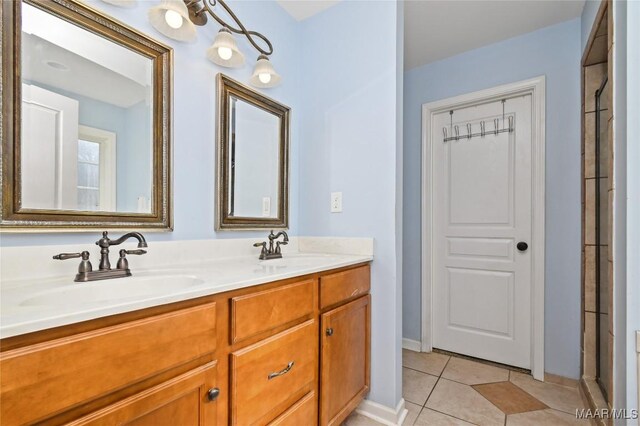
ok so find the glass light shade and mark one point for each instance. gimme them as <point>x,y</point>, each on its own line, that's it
<point>171,18</point>
<point>264,75</point>
<point>224,51</point>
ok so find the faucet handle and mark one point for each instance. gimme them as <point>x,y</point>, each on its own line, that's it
<point>64,256</point>
<point>263,252</point>
<point>280,243</point>
<point>85,265</point>
<point>133,252</point>
<point>123,263</point>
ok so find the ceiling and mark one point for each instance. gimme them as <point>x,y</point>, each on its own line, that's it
<point>437,29</point>
<point>54,67</point>
<point>303,9</point>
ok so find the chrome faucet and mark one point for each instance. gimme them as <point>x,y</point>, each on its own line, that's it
<point>271,252</point>
<point>85,270</point>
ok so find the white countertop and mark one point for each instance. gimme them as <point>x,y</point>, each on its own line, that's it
<point>33,304</point>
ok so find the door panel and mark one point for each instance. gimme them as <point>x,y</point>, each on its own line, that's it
<point>482,196</point>
<point>344,359</point>
<point>49,149</point>
<point>479,178</point>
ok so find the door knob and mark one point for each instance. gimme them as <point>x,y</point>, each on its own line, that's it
<point>213,393</point>
<point>522,246</point>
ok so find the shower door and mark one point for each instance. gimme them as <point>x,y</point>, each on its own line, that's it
<point>601,233</point>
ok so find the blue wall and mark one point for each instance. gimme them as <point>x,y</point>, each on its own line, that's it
<point>554,52</point>
<point>194,117</point>
<point>349,128</point>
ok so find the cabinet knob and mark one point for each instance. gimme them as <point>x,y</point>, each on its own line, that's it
<point>329,331</point>
<point>213,393</point>
<point>522,246</point>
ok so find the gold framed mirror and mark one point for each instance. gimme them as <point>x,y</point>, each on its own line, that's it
<point>86,136</point>
<point>253,159</point>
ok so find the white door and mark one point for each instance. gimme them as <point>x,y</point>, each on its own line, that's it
<point>482,210</point>
<point>49,150</point>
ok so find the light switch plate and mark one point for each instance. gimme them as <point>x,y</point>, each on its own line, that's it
<point>336,202</point>
<point>266,206</point>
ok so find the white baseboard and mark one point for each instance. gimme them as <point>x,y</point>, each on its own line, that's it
<point>383,414</point>
<point>412,345</point>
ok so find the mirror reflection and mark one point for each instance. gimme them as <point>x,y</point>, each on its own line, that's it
<point>254,156</point>
<point>87,120</point>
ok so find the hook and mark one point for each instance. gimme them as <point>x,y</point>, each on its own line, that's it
<point>468,130</point>
<point>457,130</point>
<point>496,125</point>
<point>482,124</point>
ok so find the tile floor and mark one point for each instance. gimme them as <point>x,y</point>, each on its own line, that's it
<point>444,390</point>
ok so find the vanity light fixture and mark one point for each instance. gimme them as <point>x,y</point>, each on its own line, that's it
<point>171,18</point>
<point>177,19</point>
<point>224,50</point>
<point>264,75</point>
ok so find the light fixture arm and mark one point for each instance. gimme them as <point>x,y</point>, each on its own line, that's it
<point>198,7</point>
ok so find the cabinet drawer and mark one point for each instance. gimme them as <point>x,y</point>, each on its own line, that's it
<point>303,412</point>
<point>257,312</point>
<point>262,385</point>
<point>79,368</point>
<point>345,285</point>
<point>180,401</point>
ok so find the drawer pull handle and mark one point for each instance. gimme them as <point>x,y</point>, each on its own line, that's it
<point>213,393</point>
<point>281,372</point>
<point>329,331</point>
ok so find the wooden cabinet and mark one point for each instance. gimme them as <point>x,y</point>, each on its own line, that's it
<point>267,377</point>
<point>303,412</point>
<point>260,311</point>
<point>264,353</point>
<point>344,367</point>
<point>183,400</point>
<point>344,285</point>
<point>85,366</point>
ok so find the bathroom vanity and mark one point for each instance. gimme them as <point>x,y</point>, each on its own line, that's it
<point>293,351</point>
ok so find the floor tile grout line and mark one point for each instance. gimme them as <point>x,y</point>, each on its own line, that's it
<point>449,415</point>
<point>431,393</point>
<point>477,384</point>
<point>445,366</point>
<point>419,371</point>
<point>436,383</point>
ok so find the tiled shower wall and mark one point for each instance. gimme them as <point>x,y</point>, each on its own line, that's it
<point>593,76</point>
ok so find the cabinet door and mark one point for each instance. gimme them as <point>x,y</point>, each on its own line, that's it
<point>344,365</point>
<point>183,400</point>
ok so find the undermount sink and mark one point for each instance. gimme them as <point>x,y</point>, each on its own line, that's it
<point>120,289</point>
